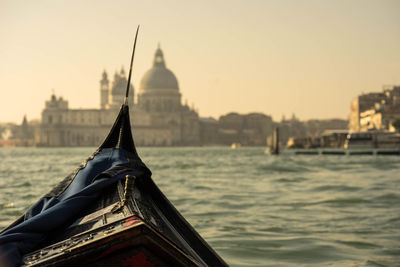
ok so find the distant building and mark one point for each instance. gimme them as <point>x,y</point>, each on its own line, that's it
<point>360,104</point>
<point>209,131</point>
<point>158,118</point>
<point>309,132</point>
<point>376,111</point>
<point>248,129</point>
<point>12,134</point>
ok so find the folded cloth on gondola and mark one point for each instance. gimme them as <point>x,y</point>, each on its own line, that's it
<point>55,213</point>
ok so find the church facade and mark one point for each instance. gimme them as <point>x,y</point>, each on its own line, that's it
<point>158,117</point>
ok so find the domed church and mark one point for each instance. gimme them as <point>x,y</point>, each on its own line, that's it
<point>159,90</point>
<point>160,99</point>
<point>158,117</point>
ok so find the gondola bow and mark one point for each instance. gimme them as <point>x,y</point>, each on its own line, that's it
<point>107,212</point>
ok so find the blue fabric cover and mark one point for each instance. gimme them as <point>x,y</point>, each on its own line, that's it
<point>55,213</point>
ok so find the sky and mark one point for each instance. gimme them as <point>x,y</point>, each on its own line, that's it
<point>278,57</point>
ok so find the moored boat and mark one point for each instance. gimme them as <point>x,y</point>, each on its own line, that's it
<point>347,143</point>
<point>107,212</point>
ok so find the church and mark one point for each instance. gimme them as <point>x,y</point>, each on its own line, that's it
<point>158,117</point>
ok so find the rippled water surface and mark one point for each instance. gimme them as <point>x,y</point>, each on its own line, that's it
<point>253,209</point>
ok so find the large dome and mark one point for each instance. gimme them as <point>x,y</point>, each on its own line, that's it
<point>158,77</point>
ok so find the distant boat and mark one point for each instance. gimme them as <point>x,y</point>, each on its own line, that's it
<point>107,212</point>
<point>348,143</point>
<point>273,143</point>
<point>235,145</point>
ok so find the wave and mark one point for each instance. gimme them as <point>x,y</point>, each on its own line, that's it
<point>336,188</point>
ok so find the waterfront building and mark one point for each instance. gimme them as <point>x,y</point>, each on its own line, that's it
<point>376,111</point>
<point>247,129</point>
<point>158,118</point>
<point>359,105</point>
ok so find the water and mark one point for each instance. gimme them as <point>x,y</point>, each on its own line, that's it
<point>253,209</point>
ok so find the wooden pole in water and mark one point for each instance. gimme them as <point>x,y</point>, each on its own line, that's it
<point>275,140</point>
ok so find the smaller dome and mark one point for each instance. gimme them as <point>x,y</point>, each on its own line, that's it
<point>119,84</point>
<point>159,77</point>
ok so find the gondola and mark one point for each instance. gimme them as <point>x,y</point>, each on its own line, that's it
<point>107,212</point>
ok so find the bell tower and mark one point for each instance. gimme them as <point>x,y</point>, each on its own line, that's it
<point>104,91</point>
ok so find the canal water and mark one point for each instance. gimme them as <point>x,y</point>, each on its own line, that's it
<point>253,209</point>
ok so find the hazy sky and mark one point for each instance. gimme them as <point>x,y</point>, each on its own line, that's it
<point>277,57</point>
